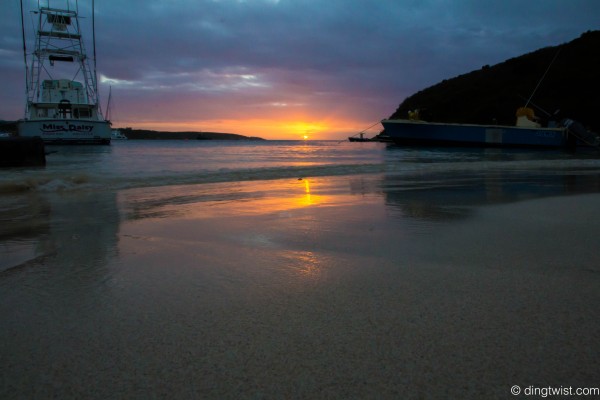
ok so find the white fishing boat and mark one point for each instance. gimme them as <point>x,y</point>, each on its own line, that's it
<point>62,89</point>
<point>118,135</point>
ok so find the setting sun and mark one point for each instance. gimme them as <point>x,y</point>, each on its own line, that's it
<point>267,128</point>
<point>307,128</point>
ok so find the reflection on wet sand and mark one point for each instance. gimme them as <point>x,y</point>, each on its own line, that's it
<point>213,200</point>
<point>305,263</point>
<point>74,229</point>
<point>444,196</point>
<point>81,227</point>
<point>23,219</point>
<point>291,289</point>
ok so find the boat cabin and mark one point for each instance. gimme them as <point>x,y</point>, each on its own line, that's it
<point>64,99</point>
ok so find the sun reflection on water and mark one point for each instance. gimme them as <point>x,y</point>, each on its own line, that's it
<point>308,200</point>
<point>305,264</point>
<point>217,200</point>
<point>309,264</point>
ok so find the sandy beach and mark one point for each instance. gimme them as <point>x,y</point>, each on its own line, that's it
<point>308,288</point>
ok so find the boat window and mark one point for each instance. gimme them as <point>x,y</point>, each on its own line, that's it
<point>82,113</point>
<point>59,19</point>
<point>64,109</point>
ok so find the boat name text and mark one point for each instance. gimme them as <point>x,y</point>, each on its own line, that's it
<point>67,128</point>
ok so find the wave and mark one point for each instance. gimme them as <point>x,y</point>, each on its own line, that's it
<point>242,175</point>
<point>42,183</point>
<point>56,181</point>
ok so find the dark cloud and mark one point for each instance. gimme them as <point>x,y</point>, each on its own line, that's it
<point>269,55</point>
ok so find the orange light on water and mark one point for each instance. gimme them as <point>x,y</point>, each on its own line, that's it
<point>307,191</point>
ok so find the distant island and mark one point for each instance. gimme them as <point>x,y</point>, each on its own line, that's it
<point>143,134</point>
<point>492,94</point>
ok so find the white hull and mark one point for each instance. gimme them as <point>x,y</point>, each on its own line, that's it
<point>58,131</point>
<point>60,109</point>
<point>117,135</point>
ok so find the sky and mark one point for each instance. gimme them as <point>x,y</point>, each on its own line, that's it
<point>286,69</point>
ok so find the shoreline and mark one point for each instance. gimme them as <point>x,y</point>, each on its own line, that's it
<point>294,291</point>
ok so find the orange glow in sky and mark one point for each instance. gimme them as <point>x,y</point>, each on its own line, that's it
<point>244,102</point>
<point>265,68</point>
<point>293,129</point>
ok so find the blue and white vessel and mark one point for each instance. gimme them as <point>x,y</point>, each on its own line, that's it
<point>527,132</point>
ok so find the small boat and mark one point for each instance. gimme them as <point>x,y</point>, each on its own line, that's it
<point>61,110</point>
<point>116,134</point>
<point>527,132</point>
<point>360,138</point>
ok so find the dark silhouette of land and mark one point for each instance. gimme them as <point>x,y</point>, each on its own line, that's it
<point>11,127</point>
<point>492,94</point>
<point>161,135</point>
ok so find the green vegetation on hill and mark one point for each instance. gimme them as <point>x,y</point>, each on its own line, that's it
<point>493,93</point>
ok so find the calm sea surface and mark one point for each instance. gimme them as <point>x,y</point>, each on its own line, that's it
<point>139,164</point>
<point>166,178</point>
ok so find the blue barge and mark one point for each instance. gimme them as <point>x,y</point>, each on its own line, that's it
<point>409,132</point>
<point>526,133</point>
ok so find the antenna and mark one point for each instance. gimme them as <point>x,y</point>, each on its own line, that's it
<point>95,74</point>
<point>94,36</point>
<point>107,116</point>
<point>24,53</point>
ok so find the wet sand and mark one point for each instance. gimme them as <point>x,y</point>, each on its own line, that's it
<point>321,288</point>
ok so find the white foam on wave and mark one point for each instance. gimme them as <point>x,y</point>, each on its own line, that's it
<point>95,179</point>
<point>43,183</point>
<point>243,175</point>
<point>59,185</point>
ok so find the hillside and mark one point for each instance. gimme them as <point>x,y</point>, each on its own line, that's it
<point>160,135</point>
<point>11,127</point>
<point>493,93</point>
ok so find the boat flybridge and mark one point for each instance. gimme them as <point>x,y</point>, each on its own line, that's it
<point>62,89</point>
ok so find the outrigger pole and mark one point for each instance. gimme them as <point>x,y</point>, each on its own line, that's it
<point>95,74</point>
<point>543,76</point>
<point>94,35</point>
<point>24,53</point>
<point>107,115</point>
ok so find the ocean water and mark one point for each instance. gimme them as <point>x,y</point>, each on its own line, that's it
<point>436,178</point>
<point>284,269</point>
<point>138,164</point>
